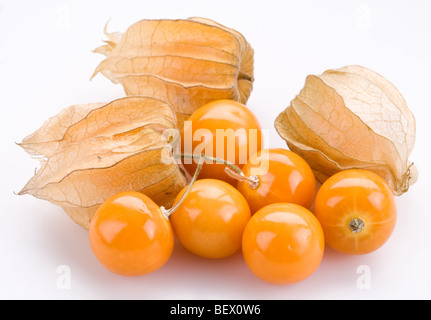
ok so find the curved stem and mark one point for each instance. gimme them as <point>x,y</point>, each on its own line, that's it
<point>253,181</point>
<point>168,212</point>
<point>231,169</point>
<point>207,158</point>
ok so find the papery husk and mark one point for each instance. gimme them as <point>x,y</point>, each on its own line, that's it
<point>187,63</point>
<point>90,152</point>
<point>352,118</point>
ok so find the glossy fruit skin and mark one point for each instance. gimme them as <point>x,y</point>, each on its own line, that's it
<point>211,220</point>
<point>221,115</point>
<point>130,236</point>
<point>289,178</point>
<point>283,243</point>
<point>353,194</point>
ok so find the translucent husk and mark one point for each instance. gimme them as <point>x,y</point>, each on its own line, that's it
<point>186,63</point>
<point>91,152</point>
<point>352,118</point>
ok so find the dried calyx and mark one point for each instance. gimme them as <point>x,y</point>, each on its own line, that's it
<point>352,118</point>
<point>91,152</point>
<point>186,63</point>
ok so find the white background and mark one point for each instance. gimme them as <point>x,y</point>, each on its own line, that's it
<point>46,61</point>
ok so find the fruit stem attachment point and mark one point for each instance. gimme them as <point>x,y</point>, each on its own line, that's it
<point>356,225</point>
<point>253,181</point>
<point>168,212</point>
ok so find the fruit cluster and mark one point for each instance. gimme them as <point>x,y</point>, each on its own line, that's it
<point>261,206</point>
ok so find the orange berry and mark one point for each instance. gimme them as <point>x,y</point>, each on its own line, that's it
<point>283,243</point>
<point>211,220</point>
<point>129,235</point>
<point>357,211</point>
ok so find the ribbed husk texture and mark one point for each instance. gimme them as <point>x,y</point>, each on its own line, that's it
<point>90,152</point>
<point>352,117</point>
<point>186,63</point>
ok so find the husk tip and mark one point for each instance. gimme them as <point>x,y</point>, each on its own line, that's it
<point>409,178</point>
<point>23,192</point>
<point>95,73</point>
